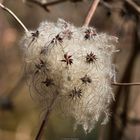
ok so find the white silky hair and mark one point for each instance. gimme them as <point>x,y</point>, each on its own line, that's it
<point>86,100</point>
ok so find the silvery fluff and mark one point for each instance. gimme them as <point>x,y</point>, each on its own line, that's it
<point>70,69</point>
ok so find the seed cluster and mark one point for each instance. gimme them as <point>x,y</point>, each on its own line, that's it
<point>90,58</point>
<point>86,79</point>
<point>48,82</point>
<point>90,33</point>
<point>68,59</point>
<point>75,93</point>
<point>73,63</point>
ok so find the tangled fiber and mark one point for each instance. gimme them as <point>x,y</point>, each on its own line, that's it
<point>70,69</point>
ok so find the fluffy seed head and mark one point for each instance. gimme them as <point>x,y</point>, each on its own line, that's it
<point>73,66</point>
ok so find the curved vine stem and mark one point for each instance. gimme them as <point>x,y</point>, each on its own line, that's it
<point>14,16</point>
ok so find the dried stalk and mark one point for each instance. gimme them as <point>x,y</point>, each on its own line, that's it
<point>43,124</point>
<point>46,5</point>
<point>45,120</point>
<point>91,12</point>
<point>14,16</point>
<point>125,84</point>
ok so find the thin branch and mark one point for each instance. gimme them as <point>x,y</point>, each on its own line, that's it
<point>106,5</point>
<point>110,6</point>
<point>43,124</point>
<point>46,5</point>
<point>133,121</point>
<point>125,84</point>
<point>91,12</point>
<point>134,6</point>
<point>45,120</point>
<point>14,16</point>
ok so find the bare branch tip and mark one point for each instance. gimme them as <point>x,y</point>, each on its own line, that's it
<point>91,12</point>
<point>14,16</point>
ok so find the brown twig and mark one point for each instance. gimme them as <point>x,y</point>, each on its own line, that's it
<point>133,6</point>
<point>46,5</point>
<point>45,120</point>
<point>110,6</point>
<point>14,16</point>
<point>125,84</point>
<point>106,5</point>
<point>43,124</point>
<point>91,12</point>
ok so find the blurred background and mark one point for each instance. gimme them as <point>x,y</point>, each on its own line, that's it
<point>20,116</point>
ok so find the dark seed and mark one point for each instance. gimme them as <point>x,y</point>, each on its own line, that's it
<point>48,82</point>
<point>90,58</point>
<point>86,79</point>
